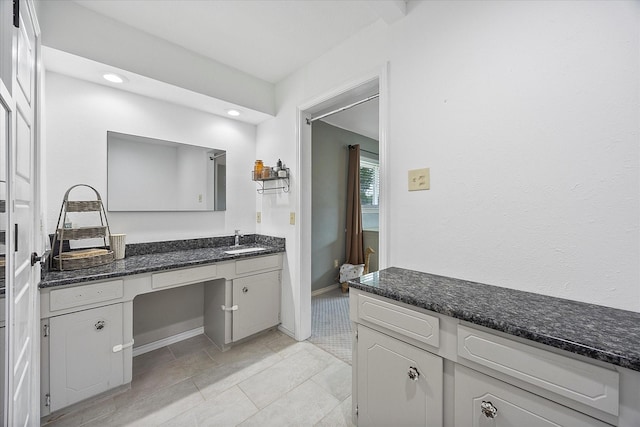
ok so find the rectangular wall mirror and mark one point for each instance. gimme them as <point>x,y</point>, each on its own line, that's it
<point>147,174</point>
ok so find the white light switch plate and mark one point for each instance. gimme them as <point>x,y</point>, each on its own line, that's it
<point>419,179</point>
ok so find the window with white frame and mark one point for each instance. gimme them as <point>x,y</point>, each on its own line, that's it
<point>369,184</point>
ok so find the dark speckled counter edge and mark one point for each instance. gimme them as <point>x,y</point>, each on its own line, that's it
<point>597,332</point>
<point>147,257</point>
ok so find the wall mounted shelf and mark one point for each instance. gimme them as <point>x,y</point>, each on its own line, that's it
<point>282,183</point>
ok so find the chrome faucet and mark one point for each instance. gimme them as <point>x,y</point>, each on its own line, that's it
<point>238,236</point>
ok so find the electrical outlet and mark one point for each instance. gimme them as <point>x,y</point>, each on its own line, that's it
<point>258,217</point>
<point>292,218</point>
<point>336,263</point>
<point>419,179</point>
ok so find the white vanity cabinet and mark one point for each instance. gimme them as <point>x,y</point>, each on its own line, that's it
<point>87,329</point>
<point>416,367</point>
<point>257,302</point>
<point>398,384</point>
<point>84,356</point>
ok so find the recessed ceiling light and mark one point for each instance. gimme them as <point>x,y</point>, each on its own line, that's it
<point>114,78</point>
<point>233,113</point>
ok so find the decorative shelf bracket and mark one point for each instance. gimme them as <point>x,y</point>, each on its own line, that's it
<point>263,188</point>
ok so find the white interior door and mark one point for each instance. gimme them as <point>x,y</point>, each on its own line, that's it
<point>22,291</point>
<point>6,115</point>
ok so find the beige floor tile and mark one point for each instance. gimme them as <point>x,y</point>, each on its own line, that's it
<point>238,353</point>
<point>99,409</point>
<point>275,381</point>
<point>227,409</point>
<point>336,379</point>
<point>305,405</point>
<point>151,360</point>
<point>214,381</point>
<point>151,381</point>
<point>156,408</point>
<point>190,345</point>
<point>195,363</point>
<point>339,417</point>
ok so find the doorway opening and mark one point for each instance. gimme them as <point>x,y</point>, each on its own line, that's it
<point>322,161</point>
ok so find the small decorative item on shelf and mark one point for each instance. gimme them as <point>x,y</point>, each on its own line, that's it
<point>257,170</point>
<point>279,173</point>
<point>65,230</point>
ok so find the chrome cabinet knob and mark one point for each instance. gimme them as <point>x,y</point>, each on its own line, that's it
<point>245,290</point>
<point>413,373</point>
<point>488,409</point>
<point>99,325</point>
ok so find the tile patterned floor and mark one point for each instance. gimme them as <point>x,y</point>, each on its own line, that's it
<point>271,380</point>
<point>330,324</point>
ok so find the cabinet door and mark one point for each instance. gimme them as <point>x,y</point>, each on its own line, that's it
<point>82,358</point>
<point>477,396</point>
<point>398,384</point>
<point>258,304</point>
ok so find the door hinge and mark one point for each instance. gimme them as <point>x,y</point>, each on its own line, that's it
<point>47,400</point>
<point>45,331</point>
<point>356,410</point>
<point>16,13</point>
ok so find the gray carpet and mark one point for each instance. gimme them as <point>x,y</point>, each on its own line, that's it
<point>330,325</point>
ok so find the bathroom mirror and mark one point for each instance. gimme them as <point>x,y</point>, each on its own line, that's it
<point>147,174</point>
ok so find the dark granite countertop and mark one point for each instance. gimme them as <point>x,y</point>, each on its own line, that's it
<point>159,256</point>
<point>603,333</point>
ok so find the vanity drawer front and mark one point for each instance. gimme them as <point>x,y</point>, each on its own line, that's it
<point>183,276</point>
<point>61,299</point>
<point>477,396</point>
<point>583,382</point>
<point>259,263</point>
<point>410,323</point>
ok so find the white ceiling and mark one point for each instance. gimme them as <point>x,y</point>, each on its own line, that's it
<point>268,39</point>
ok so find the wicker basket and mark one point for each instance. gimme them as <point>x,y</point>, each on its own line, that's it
<point>83,233</point>
<point>76,260</point>
<point>84,205</point>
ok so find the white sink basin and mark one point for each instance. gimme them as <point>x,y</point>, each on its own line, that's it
<point>243,251</point>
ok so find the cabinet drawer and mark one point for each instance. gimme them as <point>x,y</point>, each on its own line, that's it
<point>410,323</point>
<point>513,406</point>
<point>259,263</point>
<point>61,299</point>
<point>183,277</point>
<point>591,385</point>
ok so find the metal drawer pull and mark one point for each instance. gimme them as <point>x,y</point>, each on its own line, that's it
<point>488,409</point>
<point>232,308</point>
<point>99,325</point>
<point>120,347</point>
<point>413,373</point>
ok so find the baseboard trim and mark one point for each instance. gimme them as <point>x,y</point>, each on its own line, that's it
<point>137,351</point>
<point>325,289</point>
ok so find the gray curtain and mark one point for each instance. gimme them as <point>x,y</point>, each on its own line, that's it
<point>355,237</point>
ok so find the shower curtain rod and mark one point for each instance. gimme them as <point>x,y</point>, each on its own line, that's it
<point>330,113</point>
<point>349,147</point>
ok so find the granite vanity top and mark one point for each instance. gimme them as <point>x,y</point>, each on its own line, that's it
<point>602,333</point>
<point>158,256</point>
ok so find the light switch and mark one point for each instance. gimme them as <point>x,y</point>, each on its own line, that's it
<point>292,218</point>
<point>258,217</point>
<point>419,179</point>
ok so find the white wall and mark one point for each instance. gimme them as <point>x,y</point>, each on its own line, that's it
<point>527,114</point>
<point>79,114</point>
